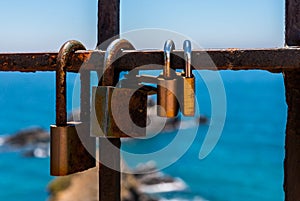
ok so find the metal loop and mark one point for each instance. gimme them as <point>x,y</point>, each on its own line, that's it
<point>168,48</point>
<point>187,47</point>
<point>112,53</point>
<point>64,55</point>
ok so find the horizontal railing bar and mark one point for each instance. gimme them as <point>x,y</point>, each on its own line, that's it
<point>273,60</point>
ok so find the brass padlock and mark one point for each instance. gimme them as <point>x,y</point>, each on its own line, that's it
<point>167,86</point>
<point>187,100</point>
<point>68,152</point>
<point>118,111</point>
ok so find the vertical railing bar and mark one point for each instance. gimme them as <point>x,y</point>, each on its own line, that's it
<point>292,86</point>
<point>108,30</point>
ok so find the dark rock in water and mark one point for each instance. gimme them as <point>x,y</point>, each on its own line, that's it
<point>152,181</point>
<point>157,180</point>
<point>146,168</point>
<point>131,191</point>
<point>203,120</point>
<point>151,102</point>
<point>30,142</point>
<point>172,124</point>
<point>29,154</point>
<point>38,152</point>
<point>28,138</point>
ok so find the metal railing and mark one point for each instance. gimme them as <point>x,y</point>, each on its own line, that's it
<point>279,60</point>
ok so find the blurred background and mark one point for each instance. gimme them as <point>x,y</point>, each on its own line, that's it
<point>246,164</point>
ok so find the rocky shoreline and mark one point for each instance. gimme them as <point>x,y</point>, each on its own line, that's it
<point>84,186</point>
<point>137,186</point>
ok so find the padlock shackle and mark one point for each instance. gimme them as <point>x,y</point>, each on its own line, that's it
<point>168,48</point>
<point>187,47</point>
<point>64,55</point>
<point>111,55</point>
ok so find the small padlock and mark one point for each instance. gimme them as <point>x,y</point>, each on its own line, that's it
<point>167,86</point>
<point>118,111</point>
<point>187,99</point>
<point>68,155</point>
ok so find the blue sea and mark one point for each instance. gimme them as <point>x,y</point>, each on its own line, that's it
<point>246,164</point>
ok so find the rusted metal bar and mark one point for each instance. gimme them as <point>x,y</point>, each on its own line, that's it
<point>108,30</point>
<point>273,60</point>
<point>292,88</point>
<point>292,142</point>
<point>28,62</point>
<point>109,178</point>
<point>108,22</point>
<point>292,22</point>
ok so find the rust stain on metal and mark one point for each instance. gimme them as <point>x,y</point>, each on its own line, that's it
<point>63,60</point>
<point>273,60</point>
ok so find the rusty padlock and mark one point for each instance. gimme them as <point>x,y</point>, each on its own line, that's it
<point>167,86</point>
<point>68,155</point>
<point>187,98</point>
<point>118,111</point>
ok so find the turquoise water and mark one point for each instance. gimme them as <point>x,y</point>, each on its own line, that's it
<point>246,164</point>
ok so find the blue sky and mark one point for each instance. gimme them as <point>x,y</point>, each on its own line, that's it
<point>44,25</point>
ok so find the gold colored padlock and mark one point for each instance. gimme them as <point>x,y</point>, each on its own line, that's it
<point>167,86</point>
<point>68,153</point>
<point>118,112</point>
<point>188,83</point>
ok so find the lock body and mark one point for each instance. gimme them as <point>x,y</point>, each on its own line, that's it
<point>119,112</point>
<point>166,97</point>
<point>69,151</point>
<point>188,96</point>
<point>187,99</point>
